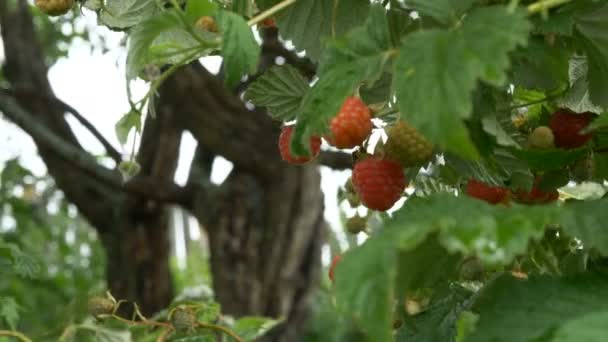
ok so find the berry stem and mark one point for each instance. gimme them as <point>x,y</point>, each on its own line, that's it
<point>16,335</point>
<point>545,99</point>
<point>543,5</point>
<point>220,329</point>
<point>129,322</point>
<point>163,336</point>
<point>269,12</point>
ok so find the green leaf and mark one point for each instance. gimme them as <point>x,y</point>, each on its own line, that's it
<point>552,159</point>
<point>540,66</point>
<point>588,328</point>
<point>199,8</point>
<point>280,89</point>
<point>586,221</point>
<point>9,312</point>
<point>128,169</point>
<point>364,287</point>
<point>177,45</point>
<point>578,97</point>
<point>250,328</point>
<point>425,266</point>
<point>240,50</point>
<point>465,325</point>
<point>446,11</point>
<point>491,126</point>
<point>209,312</point>
<point>366,276</point>
<point>124,126</point>
<point>478,50</point>
<point>122,14</point>
<point>525,310</point>
<point>437,323</point>
<point>379,91</point>
<point>489,234</point>
<point>142,37</point>
<point>360,56</point>
<point>592,32</point>
<point>242,7</point>
<point>308,23</point>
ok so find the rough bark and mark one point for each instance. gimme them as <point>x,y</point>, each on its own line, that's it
<point>265,241</point>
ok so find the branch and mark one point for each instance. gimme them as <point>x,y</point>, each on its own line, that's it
<point>146,187</point>
<point>335,160</point>
<point>112,152</point>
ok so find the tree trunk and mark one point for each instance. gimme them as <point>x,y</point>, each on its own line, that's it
<point>265,247</point>
<point>137,262</point>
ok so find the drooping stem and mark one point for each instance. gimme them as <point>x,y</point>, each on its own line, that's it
<point>16,335</point>
<point>269,12</point>
<point>221,329</point>
<point>544,5</point>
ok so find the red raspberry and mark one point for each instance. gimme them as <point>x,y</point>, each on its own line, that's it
<point>536,195</point>
<point>488,193</point>
<point>332,267</point>
<point>268,22</point>
<point>566,127</point>
<point>352,125</point>
<point>379,182</point>
<point>286,155</point>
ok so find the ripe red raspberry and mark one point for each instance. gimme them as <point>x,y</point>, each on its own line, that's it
<point>536,196</point>
<point>54,7</point>
<point>486,192</point>
<point>286,155</point>
<point>352,125</point>
<point>268,22</point>
<point>379,182</point>
<point>566,127</point>
<point>406,145</point>
<point>332,267</point>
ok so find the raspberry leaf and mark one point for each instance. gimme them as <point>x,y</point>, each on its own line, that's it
<point>309,23</point>
<point>280,90</point>
<point>142,37</point>
<point>546,160</point>
<point>120,14</point>
<point>439,225</point>
<point>445,11</point>
<point>592,33</point>
<point>590,327</point>
<point>251,327</point>
<point>437,322</point>
<point>477,50</point>
<point>578,97</point>
<point>531,309</point>
<point>240,50</point>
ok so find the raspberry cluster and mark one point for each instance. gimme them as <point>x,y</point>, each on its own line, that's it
<point>498,194</point>
<point>377,182</point>
<point>564,131</point>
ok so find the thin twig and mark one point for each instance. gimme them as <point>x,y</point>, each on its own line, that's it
<point>16,335</point>
<point>112,152</point>
<point>269,12</point>
<point>221,329</point>
<point>544,5</point>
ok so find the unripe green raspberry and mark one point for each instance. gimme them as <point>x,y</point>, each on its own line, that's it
<point>100,306</point>
<point>183,319</point>
<point>541,138</point>
<point>356,224</point>
<point>406,145</point>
